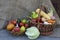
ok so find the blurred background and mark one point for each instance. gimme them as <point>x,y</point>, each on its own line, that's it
<point>56,4</point>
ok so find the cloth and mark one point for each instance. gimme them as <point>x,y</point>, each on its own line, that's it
<point>12,9</point>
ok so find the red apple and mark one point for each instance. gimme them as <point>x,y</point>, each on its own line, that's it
<point>16,29</point>
<point>33,20</point>
<point>26,25</point>
<point>14,21</point>
<point>21,24</point>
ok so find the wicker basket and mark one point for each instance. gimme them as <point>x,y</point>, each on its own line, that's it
<point>45,29</point>
<point>17,33</point>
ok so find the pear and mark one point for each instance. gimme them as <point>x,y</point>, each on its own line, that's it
<point>22,29</point>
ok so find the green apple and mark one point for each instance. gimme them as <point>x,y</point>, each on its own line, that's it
<point>22,29</point>
<point>24,21</point>
<point>34,15</point>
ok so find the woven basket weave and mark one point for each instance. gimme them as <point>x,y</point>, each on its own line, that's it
<point>45,29</point>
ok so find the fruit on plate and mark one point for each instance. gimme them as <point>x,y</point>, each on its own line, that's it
<point>32,32</point>
<point>16,29</point>
<point>24,21</point>
<point>34,15</point>
<point>10,26</point>
<point>33,20</point>
<point>22,29</point>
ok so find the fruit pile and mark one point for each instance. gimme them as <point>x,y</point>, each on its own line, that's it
<point>17,27</point>
<point>40,22</point>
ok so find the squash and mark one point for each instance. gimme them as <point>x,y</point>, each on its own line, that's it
<point>10,26</point>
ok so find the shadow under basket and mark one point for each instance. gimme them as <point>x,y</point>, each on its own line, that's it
<point>45,29</point>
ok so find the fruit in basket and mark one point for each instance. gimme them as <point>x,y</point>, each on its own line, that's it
<point>43,19</point>
<point>17,29</point>
<point>34,15</point>
<point>33,21</point>
<point>26,25</point>
<point>22,29</point>
<point>51,21</point>
<point>53,18</point>
<point>32,32</point>
<point>14,21</point>
<point>10,26</point>
<point>13,31</point>
<point>24,21</point>
<point>45,15</point>
<point>21,24</point>
<point>37,10</point>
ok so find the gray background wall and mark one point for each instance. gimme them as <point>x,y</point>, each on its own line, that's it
<point>11,9</point>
